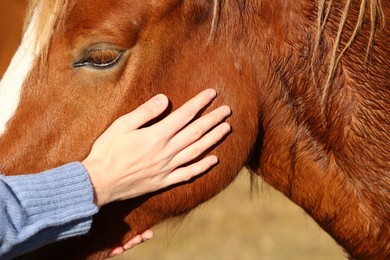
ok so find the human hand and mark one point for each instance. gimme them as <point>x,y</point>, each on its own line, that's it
<point>126,162</point>
<point>138,239</point>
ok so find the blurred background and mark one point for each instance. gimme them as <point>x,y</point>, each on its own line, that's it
<point>239,226</point>
<point>11,24</point>
<point>235,225</point>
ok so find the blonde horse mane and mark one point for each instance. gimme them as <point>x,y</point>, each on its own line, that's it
<point>377,19</point>
<point>49,15</point>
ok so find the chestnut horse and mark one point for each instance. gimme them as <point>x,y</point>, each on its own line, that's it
<point>308,83</point>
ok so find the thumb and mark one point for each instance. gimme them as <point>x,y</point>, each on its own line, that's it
<point>144,113</point>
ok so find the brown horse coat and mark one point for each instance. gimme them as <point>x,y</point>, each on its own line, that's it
<point>319,135</point>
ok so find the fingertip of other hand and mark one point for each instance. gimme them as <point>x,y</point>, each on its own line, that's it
<point>148,234</point>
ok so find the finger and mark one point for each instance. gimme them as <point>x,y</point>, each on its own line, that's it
<point>199,147</point>
<point>188,172</point>
<point>180,117</point>
<point>133,242</point>
<point>144,113</point>
<point>198,128</point>
<point>147,235</point>
<point>117,251</point>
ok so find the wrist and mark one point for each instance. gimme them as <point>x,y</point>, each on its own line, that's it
<point>97,183</point>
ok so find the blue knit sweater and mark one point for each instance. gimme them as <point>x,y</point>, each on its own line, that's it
<point>43,208</point>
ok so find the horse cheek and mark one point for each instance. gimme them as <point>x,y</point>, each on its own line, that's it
<point>177,201</point>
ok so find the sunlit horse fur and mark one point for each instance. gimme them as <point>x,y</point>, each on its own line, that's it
<point>308,83</point>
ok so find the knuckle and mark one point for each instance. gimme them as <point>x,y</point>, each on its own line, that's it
<point>197,151</point>
<point>200,129</point>
<point>190,113</point>
<point>197,132</point>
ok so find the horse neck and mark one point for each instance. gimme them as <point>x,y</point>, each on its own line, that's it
<point>331,161</point>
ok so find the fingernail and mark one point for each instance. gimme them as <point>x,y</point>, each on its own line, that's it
<point>159,99</point>
<point>147,235</point>
<point>212,93</point>
<point>227,111</point>
<point>225,128</point>
<point>213,160</point>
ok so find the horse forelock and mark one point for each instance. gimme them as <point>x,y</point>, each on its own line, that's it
<point>51,16</point>
<point>18,70</point>
<point>42,18</point>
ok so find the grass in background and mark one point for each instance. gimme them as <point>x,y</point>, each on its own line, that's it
<point>236,226</point>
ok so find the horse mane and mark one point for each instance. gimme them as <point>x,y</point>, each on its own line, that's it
<point>52,13</point>
<point>377,20</point>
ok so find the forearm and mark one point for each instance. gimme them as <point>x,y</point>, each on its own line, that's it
<point>43,208</point>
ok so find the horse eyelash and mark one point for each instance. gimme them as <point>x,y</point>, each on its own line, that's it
<point>85,62</point>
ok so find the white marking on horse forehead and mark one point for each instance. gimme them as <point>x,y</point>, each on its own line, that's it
<point>17,72</point>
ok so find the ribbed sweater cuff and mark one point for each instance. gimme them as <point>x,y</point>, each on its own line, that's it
<point>59,201</point>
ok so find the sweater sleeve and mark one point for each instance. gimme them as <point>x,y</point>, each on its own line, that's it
<point>39,209</point>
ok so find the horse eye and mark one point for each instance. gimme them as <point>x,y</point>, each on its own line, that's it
<point>100,59</point>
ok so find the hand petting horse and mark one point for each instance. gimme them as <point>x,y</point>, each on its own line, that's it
<point>308,83</point>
